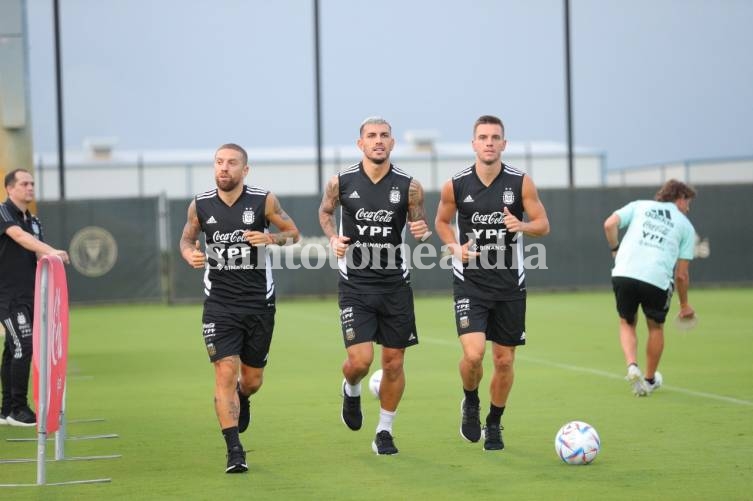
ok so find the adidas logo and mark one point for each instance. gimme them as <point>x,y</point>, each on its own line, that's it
<point>468,199</point>
<point>211,220</point>
<point>354,195</point>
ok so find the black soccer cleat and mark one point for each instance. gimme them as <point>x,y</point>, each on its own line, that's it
<point>244,414</point>
<point>383,444</point>
<point>470,425</point>
<point>351,411</point>
<point>236,460</point>
<point>493,437</point>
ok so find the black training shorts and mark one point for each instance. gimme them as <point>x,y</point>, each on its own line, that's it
<point>387,319</point>
<point>247,335</point>
<point>503,322</point>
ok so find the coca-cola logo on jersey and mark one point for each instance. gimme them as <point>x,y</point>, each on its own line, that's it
<point>228,238</point>
<point>493,218</point>
<point>375,216</point>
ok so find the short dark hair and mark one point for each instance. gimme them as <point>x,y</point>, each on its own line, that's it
<point>10,178</point>
<point>674,190</point>
<point>373,121</point>
<point>233,146</point>
<point>488,119</point>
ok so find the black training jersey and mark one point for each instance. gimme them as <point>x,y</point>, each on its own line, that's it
<point>498,273</point>
<point>373,216</point>
<point>18,266</point>
<point>238,275</point>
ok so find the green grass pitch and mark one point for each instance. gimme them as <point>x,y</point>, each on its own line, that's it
<point>145,371</point>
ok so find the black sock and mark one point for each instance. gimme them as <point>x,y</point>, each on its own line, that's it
<point>495,414</point>
<point>471,396</point>
<point>650,381</point>
<point>231,437</point>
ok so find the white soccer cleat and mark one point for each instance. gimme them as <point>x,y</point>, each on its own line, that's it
<point>658,380</point>
<point>635,378</point>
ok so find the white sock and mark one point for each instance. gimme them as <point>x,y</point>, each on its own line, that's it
<point>385,420</point>
<point>352,390</point>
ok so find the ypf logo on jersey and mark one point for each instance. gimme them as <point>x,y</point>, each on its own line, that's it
<point>394,195</point>
<point>508,197</point>
<point>248,216</point>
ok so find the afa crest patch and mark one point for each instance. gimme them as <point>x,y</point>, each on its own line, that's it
<point>508,197</point>
<point>248,216</point>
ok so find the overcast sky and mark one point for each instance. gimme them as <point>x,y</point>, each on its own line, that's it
<point>653,80</point>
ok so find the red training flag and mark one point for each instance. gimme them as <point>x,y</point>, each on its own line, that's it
<point>55,301</point>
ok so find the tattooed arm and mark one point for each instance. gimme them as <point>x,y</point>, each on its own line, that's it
<point>330,201</point>
<point>419,228</point>
<point>279,218</point>
<point>190,248</point>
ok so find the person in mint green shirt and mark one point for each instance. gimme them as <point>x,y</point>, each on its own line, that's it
<point>650,262</point>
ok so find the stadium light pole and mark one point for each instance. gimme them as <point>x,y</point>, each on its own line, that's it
<point>568,98</point>
<point>318,101</point>
<point>59,96</point>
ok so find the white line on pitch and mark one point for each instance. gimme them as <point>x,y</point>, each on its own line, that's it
<point>575,368</point>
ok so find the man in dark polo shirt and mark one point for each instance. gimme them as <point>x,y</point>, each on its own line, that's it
<point>20,245</point>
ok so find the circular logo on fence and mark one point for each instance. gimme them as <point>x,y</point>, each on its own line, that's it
<point>93,251</point>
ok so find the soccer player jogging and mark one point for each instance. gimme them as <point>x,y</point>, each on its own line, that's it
<point>239,309</point>
<point>21,243</point>
<point>488,200</point>
<point>376,200</point>
<point>650,262</point>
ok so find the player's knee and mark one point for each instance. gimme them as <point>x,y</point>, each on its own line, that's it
<point>503,365</point>
<point>251,384</point>
<point>356,366</point>
<point>392,369</point>
<point>473,358</point>
<point>503,361</point>
<point>226,372</point>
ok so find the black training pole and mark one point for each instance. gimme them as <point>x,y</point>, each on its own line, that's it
<point>318,100</point>
<point>568,98</point>
<point>59,94</point>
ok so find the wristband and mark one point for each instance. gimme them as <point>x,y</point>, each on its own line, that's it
<point>615,248</point>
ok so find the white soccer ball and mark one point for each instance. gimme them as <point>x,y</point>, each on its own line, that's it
<point>577,443</point>
<point>374,381</point>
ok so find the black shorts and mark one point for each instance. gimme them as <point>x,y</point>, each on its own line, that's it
<point>629,293</point>
<point>503,322</point>
<point>247,335</point>
<point>386,319</point>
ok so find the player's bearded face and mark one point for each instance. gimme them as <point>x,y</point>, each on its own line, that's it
<point>376,143</point>
<point>229,169</point>
<point>226,182</point>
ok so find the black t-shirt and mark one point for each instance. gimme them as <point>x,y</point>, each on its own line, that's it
<point>18,266</point>
<point>498,273</point>
<point>238,276</point>
<point>373,216</point>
